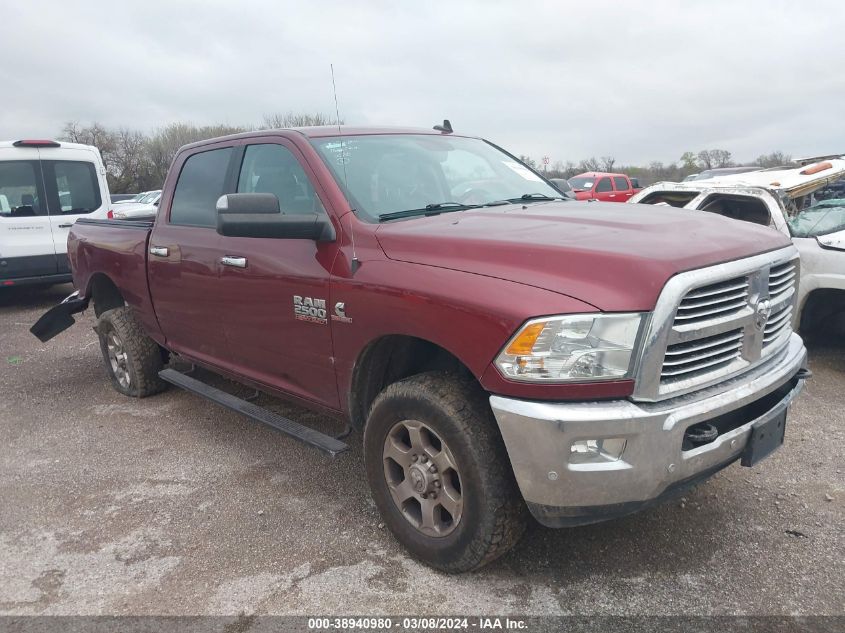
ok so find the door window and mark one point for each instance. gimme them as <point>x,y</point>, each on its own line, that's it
<point>201,182</point>
<point>272,168</point>
<point>19,195</point>
<point>620,183</point>
<point>76,185</point>
<point>604,185</point>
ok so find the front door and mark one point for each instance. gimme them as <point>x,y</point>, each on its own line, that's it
<point>604,190</point>
<point>278,319</point>
<point>184,259</point>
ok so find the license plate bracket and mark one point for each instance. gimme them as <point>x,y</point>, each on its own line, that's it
<point>766,437</point>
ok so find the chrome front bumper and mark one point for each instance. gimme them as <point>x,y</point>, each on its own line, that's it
<point>539,437</point>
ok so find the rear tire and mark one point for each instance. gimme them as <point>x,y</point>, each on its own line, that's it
<point>430,440</point>
<point>132,358</point>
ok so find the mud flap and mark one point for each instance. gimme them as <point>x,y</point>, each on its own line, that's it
<point>58,318</point>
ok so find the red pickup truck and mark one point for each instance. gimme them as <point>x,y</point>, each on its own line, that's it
<point>604,186</point>
<point>500,349</point>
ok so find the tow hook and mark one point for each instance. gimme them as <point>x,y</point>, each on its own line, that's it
<point>804,374</point>
<point>700,434</point>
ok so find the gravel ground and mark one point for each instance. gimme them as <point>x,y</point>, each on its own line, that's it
<point>172,505</point>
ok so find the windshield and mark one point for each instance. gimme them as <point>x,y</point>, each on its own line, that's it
<point>391,173</point>
<point>149,197</point>
<point>581,183</point>
<point>820,219</point>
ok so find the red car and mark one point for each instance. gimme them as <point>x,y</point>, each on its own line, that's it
<point>598,185</point>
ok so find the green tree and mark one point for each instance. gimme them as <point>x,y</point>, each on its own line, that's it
<point>689,161</point>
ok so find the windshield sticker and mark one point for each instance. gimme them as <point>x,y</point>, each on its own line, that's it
<point>340,151</point>
<point>522,170</point>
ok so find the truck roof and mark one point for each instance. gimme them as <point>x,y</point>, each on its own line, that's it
<point>783,181</point>
<point>597,174</point>
<point>62,145</point>
<point>789,181</point>
<point>320,131</point>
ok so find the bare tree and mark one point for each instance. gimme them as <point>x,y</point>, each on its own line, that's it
<point>292,119</point>
<point>589,164</point>
<point>775,159</point>
<point>705,160</point>
<point>721,158</point>
<point>94,134</point>
<point>713,158</point>
<point>129,168</point>
<point>607,163</point>
<point>165,142</point>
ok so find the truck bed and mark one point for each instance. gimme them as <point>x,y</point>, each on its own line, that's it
<point>119,247</point>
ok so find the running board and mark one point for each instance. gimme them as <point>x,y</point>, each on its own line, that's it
<point>302,433</point>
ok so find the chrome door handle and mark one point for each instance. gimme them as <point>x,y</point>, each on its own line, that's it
<point>159,251</point>
<point>231,260</point>
<point>65,226</point>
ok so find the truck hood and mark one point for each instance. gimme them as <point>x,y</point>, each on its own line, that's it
<point>616,257</point>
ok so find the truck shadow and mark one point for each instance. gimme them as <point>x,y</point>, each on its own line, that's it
<point>677,537</point>
<point>33,296</point>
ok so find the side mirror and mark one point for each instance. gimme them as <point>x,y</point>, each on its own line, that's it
<point>835,241</point>
<point>258,215</point>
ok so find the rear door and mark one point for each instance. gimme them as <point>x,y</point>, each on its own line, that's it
<point>26,240</point>
<point>277,319</point>
<point>622,189</point>
<point>604,190</point>
<point>184,257</point>
<point>73,181</point>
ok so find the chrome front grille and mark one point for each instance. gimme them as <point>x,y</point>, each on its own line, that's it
<point>782,279</point>
<point>777,325</point>
<point>702,355</point>
<point>713,323</point>
<point>716,300</point>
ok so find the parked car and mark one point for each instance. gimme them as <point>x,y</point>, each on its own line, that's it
<point>604,186</point>
<point>499,350</point>
<point>117,198</point>
<point>45,186</point>
<point>562,185</point>
<point>784,199</point>
<point>146,207</point>
<point>136,197</point>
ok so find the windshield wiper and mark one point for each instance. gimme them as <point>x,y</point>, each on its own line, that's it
<point>528,197</point>
<point>429,209</point>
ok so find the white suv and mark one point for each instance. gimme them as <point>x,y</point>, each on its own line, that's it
<point>44,187</point>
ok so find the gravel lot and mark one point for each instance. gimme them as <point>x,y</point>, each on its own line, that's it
<point>172,505</point>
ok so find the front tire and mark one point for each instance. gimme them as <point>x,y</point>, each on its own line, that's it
<point>132,358</point>
<point>440,474</point>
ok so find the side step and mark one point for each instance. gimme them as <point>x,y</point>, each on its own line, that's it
<point>303,433</point>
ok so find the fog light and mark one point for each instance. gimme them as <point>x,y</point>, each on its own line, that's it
<point>593,451</point>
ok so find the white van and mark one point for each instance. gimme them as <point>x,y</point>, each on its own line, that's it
<point>44,187</point>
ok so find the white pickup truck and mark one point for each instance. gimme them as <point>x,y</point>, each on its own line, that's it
<point>789,199</point>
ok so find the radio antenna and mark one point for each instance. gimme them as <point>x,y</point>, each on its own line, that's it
<point>355,262</point>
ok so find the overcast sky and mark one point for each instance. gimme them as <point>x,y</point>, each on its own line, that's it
<point>640,81</point>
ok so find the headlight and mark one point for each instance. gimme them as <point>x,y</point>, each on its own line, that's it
<point>572,348</point>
